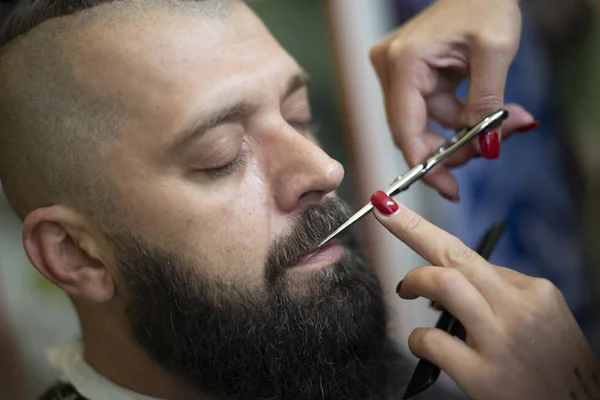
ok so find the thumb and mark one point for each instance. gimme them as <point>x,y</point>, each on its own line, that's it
<point>488,72</point>
<point>487,80</point>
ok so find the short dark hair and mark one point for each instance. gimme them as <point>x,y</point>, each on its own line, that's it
<point>17,17</point>
<point>20,16</point>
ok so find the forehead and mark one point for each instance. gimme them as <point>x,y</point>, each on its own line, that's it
<point>170,63</point>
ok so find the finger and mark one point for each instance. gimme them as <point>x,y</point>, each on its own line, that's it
<point>439,177</point>
<point>460,332</point>
<point>487,80</point>
<point>519,121</point>
<point>509,276</point>
<point>446,109</point>
<point>435,245</point>
<point>459,329</point>
<point>444,182</point>
<point>379,62</point>
<point>451,355</point>
<point>407,115</point>
<point>488,143</point>
<point>454,292</point>
<point>488,72</point>
<point>407,109</point>
<point>409,99</point>
<point>435,305</point>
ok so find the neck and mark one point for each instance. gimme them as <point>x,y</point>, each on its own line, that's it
<point>110,350</point>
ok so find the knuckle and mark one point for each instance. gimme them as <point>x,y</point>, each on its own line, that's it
<point>493,42</point>
<point>457,254</point>
<point>544,298</point>
<point>399,50</point>
<point>545,290</point>
<point>483,105</point>
<point>410,221</point>
<point>405,222</point>
<point>448,281</point>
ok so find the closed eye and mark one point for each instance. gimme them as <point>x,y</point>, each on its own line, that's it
<point>228,169</point>
<point>305,127</point>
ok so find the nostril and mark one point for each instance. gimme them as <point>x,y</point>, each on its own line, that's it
<point>312,197</point>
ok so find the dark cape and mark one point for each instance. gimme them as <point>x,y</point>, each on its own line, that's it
<point>65,391</point>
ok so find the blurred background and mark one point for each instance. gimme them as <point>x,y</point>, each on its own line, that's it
<point>546,183</point>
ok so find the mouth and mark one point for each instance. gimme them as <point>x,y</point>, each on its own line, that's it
<point>319,257</point>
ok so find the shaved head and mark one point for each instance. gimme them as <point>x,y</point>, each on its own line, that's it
<point>56,118</point>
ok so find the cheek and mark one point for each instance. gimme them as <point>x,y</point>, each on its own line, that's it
<point>240,230</point>
<point>224,231</point>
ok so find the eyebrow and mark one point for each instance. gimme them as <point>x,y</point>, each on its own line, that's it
<point>236,111</point>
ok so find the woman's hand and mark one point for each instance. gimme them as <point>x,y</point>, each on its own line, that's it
<point>421,64</point>
<point>522,340</point>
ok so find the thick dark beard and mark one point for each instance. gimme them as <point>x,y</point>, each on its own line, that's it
<point>229,343</point>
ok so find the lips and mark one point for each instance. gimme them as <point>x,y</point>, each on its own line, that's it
<point>321,256</point>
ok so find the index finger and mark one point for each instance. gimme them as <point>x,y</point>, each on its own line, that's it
<point>435,245</point>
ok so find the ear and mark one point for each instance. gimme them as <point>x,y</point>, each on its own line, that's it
<point>64,247</point>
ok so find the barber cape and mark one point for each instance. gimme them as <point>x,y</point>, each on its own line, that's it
<point>79,381</point>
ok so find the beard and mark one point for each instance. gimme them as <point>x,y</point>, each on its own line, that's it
<point>328,341</point>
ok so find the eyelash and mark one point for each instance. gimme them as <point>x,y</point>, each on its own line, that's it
<point>226,170</point>
<point>240,159</point>
<point>305,127</point>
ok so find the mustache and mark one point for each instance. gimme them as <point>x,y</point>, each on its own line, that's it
<point>310,226</point>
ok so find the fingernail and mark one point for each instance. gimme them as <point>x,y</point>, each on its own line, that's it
<point>399,286</point>
<point>454,199</point>
<point>529,127</point>
<point>490,145</point>
<point>384,203</point>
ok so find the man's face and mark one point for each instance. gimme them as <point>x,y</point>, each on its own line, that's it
<point>222,192</point>
<point>217,157</point>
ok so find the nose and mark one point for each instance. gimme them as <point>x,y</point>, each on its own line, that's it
<point>302,172</point>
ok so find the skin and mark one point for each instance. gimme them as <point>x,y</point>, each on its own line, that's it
<point>521,334</point>
<point>172,82</point>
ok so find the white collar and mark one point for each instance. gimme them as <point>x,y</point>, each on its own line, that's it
<point>69,361</point>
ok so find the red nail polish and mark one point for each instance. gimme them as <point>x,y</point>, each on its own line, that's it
<point>529,127</point>
<point>384,203</point>
<point>399,286</point>
<point>490,145</point>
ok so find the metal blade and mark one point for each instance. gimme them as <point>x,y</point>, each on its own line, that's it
<point>355,218</point>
